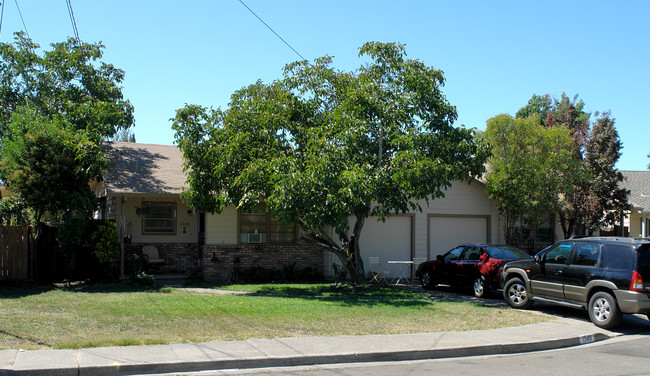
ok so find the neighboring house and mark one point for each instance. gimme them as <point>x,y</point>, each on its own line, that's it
<point>141,192</point>
<point>637,221</point>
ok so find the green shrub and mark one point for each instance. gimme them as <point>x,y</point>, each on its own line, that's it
<point>134,264</point>
<point>90,248</point>
<point>104,247</point>
<point>195,276</point>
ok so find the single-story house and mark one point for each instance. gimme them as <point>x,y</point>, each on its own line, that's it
<point>637,222</point>
<point>141,192</point>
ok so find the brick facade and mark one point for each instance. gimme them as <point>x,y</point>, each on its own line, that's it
<point>179,258</point>
<point>221,262</point>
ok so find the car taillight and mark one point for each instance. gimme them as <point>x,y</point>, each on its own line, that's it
<point>636,284</point>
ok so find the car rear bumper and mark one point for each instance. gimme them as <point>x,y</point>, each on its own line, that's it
<point>632,302</point>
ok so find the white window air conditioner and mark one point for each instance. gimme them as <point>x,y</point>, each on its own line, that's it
<point>255,238</point>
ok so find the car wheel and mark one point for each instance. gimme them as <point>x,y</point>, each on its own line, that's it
<point>480,287</point>
<point>427,281</point>
<point>603,310</point>
<point>516,294</point>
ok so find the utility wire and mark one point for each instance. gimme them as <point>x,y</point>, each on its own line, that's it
<point>2,13</point>
<point>73,21</point>
<point>269,27</point>
<point>21,18</point>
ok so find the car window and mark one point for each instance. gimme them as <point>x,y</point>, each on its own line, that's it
<point>559,254</point>
<point>586,255</point>
<point>644,261</point>
<point>471,254</point>
<point>507,252</point>
<point>619,257</point>
<point>454,254</point>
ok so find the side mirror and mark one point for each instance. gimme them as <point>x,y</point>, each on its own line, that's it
<point>538,259</point>
<point>439,257</point>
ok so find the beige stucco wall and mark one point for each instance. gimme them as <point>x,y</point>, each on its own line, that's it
<point>130,223</point>
<point>638,224</point>
<point>221,228</point>
<point>461,199</point>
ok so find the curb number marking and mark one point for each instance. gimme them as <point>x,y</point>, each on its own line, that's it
<point>588,338</point>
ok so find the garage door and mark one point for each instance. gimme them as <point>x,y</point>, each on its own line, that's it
<point>447,232</point>
<point>390,240</point>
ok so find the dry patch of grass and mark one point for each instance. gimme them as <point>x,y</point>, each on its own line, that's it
<point>118,315</point>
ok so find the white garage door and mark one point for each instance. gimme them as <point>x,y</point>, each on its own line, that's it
<point>447,232</point>
<point>390,240</point>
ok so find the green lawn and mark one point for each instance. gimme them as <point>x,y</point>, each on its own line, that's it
<point>123,315</point>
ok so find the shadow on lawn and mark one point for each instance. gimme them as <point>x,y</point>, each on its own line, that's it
<point>365,295</point>
<point>13,291</point>
<point>325,290</point>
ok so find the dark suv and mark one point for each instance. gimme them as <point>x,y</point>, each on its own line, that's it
<point>602,274</point>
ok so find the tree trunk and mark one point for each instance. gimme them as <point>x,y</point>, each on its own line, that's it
<point>347,251</point>
<point>356,233</point>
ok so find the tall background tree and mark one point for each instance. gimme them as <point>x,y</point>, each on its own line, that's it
<point>527,171</point>
<point>55,110</point>
<point>608,198</point>
<point>321,146</point>
<point>592,198</point>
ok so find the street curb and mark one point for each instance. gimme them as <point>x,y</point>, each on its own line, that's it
<point>291,361</point>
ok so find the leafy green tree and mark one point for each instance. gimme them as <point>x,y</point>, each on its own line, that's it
<point>55,110</point>
<point>14,212</point>
<point>321,146</point>
<point>527,168</point>
<point>539,105</point>
<point>587,202</point>
<point>575,204</point>
<point>68,81</point>
<point>606,197</point>
<point>124,135</point>
<point>49,164</point>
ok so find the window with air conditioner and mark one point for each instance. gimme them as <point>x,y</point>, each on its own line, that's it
<point>259,227</point>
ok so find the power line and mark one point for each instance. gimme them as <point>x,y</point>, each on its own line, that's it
<point>73,21</point>
<point>269,27</point>
<point>21,18</point>
<point>2,13</point>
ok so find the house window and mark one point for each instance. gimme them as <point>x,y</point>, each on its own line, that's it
<point>543,233</point>
<point>159,218</point>
<point>258,226</point>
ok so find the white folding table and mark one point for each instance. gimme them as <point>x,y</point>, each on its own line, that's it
<point>403,271</point>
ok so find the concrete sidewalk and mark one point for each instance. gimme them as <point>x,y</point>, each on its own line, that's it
<point>189,357</point>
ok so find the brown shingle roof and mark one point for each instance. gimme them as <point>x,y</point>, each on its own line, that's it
<point>144,168</point>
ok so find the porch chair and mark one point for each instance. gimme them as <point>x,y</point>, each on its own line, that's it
<point>150,255</point>
<point>377,273</point>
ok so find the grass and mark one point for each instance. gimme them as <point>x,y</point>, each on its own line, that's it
<point>121,315</point>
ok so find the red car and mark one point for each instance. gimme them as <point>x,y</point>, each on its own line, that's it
<point>477,265</point>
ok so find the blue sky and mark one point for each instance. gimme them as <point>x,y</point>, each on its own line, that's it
<point>495,55</point>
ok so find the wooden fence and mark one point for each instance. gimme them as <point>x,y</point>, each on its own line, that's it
<point>14,253</point>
